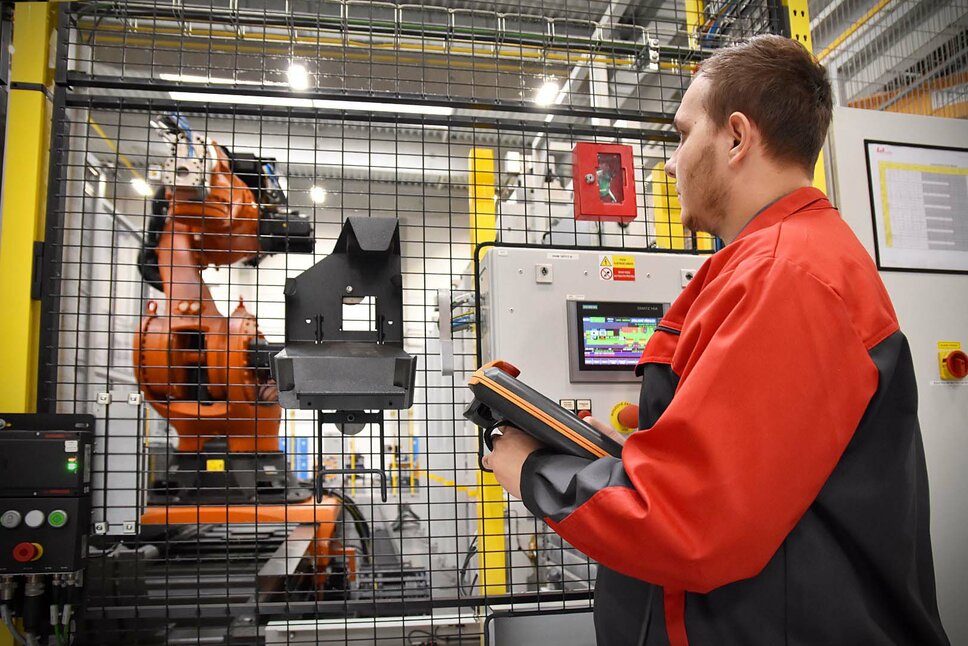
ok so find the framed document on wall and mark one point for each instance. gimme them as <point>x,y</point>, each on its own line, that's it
<point>919,203</point>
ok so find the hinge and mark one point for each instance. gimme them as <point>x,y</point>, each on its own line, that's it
<point>37,271</point>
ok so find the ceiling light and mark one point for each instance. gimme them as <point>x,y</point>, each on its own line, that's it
<point>398,108</point>
<point>141,187</point>
<point>242,99</point>
<point>317,194</point>
<point>298,76</point>
<point>547,94</point>
<point>215,80</point>
<point>319,104</point>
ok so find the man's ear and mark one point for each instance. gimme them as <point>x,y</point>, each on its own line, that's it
<point>743,134</point>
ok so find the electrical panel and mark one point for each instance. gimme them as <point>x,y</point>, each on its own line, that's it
<point>45,492</point>
<point>575,321</point>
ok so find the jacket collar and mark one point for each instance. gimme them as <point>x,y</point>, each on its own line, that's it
<point>783,208</point>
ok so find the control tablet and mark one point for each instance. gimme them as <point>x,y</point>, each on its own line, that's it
<point>499,398</point>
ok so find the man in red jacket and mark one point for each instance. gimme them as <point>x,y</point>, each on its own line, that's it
<point>777,492</point>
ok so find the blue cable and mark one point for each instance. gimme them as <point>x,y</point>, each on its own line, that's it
<point>725,13</point>
<point>182,123</point>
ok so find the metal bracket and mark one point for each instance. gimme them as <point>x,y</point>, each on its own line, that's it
<point>444,317</point>
<point>654,54</point>
<point>341,418</point>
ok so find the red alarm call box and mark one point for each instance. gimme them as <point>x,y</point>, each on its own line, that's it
<point>604,182</point>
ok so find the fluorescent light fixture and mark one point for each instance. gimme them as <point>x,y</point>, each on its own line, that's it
<point>298,76</point>
<point>141,187</point>
<point>216,80</point>
<point>241,99</point>
<point>317,194</point>
<point>320,104</point>
<point>367,106</point>
<point>547,93</point>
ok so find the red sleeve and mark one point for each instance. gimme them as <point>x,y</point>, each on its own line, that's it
<point>774,380</point>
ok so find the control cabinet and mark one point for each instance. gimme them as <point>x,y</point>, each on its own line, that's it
<point>45,492</point>
<point>575,321</point>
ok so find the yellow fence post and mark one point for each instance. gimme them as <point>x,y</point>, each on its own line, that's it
<point>491,531</point>
<point>22,222</point>
<point>694,9</point>
<point>482,185</point>
<point>799,20</point>
<point>24,201</point>
<point>669,232</point>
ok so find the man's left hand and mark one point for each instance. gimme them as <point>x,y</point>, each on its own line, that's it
<point>511,449</point>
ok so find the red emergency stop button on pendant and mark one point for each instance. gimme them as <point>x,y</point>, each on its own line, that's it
<point>956,362</point>
<point>27,552</point>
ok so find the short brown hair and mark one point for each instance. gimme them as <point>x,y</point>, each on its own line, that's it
<point>781,87</point>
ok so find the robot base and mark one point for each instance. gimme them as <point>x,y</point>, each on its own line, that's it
<point>215,476</point>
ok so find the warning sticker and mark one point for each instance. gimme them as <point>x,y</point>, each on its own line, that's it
<point>623,267</point>
<point>616,267</point>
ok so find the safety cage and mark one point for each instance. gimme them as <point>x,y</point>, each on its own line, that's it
<point>245,199</point>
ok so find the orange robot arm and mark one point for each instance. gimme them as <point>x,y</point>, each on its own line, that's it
<point>194,365</point>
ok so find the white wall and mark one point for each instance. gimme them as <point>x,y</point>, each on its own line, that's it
<point>930,308</point>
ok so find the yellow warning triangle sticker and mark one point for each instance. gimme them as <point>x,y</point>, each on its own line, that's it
<point>605,262</point>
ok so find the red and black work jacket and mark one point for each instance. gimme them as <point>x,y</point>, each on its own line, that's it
<point>777,493</point>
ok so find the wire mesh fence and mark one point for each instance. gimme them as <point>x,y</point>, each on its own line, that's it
<point>208,153</point>
<point>898,56</point>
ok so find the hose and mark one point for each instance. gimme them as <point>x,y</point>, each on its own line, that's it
<point>359,520</point>
<point>8,622</point>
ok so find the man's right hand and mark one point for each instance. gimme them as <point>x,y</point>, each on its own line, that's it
<point>605,429</point>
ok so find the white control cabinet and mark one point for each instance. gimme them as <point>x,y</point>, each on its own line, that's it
<point>531,296</point>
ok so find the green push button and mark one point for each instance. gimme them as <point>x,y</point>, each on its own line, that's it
<point>57,518</point>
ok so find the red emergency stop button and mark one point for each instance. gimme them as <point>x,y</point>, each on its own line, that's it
<point>27,552</point>
<point>582,414</point>
<point>628,416</point>
<point>956,363</point>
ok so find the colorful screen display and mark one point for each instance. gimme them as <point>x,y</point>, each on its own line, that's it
<point>613,335</point>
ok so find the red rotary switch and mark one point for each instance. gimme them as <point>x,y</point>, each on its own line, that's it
<point>956,362</point>
<point>27,552</point>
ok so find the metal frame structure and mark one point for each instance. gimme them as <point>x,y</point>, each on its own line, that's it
<point>597,56</point>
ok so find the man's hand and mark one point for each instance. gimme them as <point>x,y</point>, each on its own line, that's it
<point>605,429</point>
<point>511,448</point>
